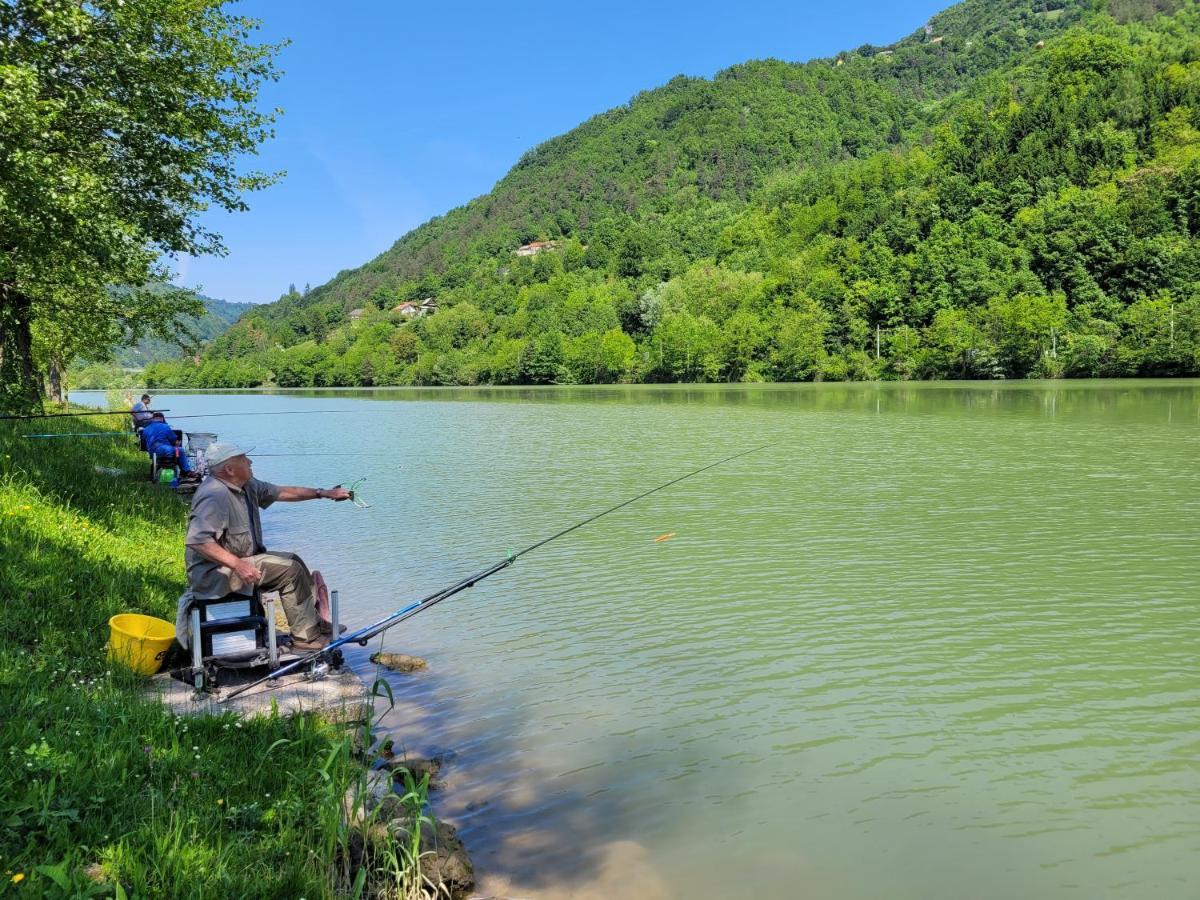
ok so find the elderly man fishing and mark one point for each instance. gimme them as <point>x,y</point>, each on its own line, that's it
<point>225,546</point>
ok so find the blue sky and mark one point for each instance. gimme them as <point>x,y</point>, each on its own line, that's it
<point>397,112</point>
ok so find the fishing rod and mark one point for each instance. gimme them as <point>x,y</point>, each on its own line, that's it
<point>63,434</point>
<point>107,412</point>
<point>363,635</point>
<point>129,434</point>
<point>281,412</point>
<point>126,412</point>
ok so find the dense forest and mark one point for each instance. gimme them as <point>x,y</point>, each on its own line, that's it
<point>197,331</point>
<point>1012,191</point>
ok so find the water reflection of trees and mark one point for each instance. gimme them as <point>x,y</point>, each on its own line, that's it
<point>1134,401</point>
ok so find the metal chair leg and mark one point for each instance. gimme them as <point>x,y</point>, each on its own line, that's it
<point>197,654</point>
<point>272,643</point>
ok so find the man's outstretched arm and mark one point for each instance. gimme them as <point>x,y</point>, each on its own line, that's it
<point>289,493</point>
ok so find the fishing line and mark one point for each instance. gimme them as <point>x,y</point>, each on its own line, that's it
<point>109,412</point>
<point>128,434</point>
<point>256,455</point>
<point>362,635</point>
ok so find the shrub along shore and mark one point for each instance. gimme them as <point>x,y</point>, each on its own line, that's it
<point>104,792</point>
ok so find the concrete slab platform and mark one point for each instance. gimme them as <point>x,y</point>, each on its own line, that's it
<point>339,696</point>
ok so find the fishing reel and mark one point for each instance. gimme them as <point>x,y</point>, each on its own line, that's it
<point>320,667</point>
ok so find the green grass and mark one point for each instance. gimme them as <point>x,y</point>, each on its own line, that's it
<point>102,791</point>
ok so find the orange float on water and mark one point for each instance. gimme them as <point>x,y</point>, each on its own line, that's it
<point>664,537</point>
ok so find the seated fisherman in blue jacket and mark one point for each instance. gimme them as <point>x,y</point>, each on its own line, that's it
<point>161,440</point>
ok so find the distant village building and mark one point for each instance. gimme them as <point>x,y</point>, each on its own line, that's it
<point>411,309</point>
<point>356,314</point>
<point>533,248</point>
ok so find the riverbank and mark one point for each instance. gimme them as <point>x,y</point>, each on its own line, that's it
<point>102,786</point>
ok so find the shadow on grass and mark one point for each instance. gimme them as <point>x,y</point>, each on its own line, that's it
<point>102,785</point>
<point>61,582</point>
<point>106,786</point>
<point>63,471</point>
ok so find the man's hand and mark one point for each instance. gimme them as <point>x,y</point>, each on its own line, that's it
<point>336,493</point>
<point>247,571</point>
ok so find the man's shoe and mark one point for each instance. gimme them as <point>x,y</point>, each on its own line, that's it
<point>318,643</point>
<point>327,627</point>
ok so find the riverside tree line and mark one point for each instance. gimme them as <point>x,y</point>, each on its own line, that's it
<point>119,123</point>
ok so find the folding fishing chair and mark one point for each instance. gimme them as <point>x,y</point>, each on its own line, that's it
<point>256,620</point>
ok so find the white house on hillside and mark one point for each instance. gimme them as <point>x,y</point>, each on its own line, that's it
<point>409,308</point>
<point>535,247</point>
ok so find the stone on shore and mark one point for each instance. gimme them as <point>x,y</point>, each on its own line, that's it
<point>399,662</point>
<point>448,865</point>
<point>418,768</point>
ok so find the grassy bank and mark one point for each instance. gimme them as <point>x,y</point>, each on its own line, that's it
<point>102,792</point>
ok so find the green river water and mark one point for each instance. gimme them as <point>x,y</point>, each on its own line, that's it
<point>936,641</point>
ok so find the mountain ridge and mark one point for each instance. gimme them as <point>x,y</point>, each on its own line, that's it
<point>964,18</point>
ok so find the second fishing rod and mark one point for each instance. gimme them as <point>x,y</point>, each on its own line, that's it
<point>363,635</point>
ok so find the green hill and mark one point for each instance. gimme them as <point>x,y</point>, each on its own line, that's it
<point>197,332</point>
<point>218,316</point>
<point>1010,191</point>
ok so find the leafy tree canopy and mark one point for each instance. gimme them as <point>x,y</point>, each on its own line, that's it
<point>119,123</point>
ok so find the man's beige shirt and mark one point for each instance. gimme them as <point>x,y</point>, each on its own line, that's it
<point>221,513</point>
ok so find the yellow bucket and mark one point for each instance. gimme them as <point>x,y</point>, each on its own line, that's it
<point>139,642</point>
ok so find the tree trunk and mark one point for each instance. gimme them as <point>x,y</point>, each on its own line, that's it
<point>20,391</point>
<point>55,377</point>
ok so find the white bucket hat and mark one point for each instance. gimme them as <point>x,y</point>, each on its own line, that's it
<point>219,452</point>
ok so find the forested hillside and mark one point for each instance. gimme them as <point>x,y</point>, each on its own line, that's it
<point>1012,191</point>
<point>195,332</point>
<point>217,317</point>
